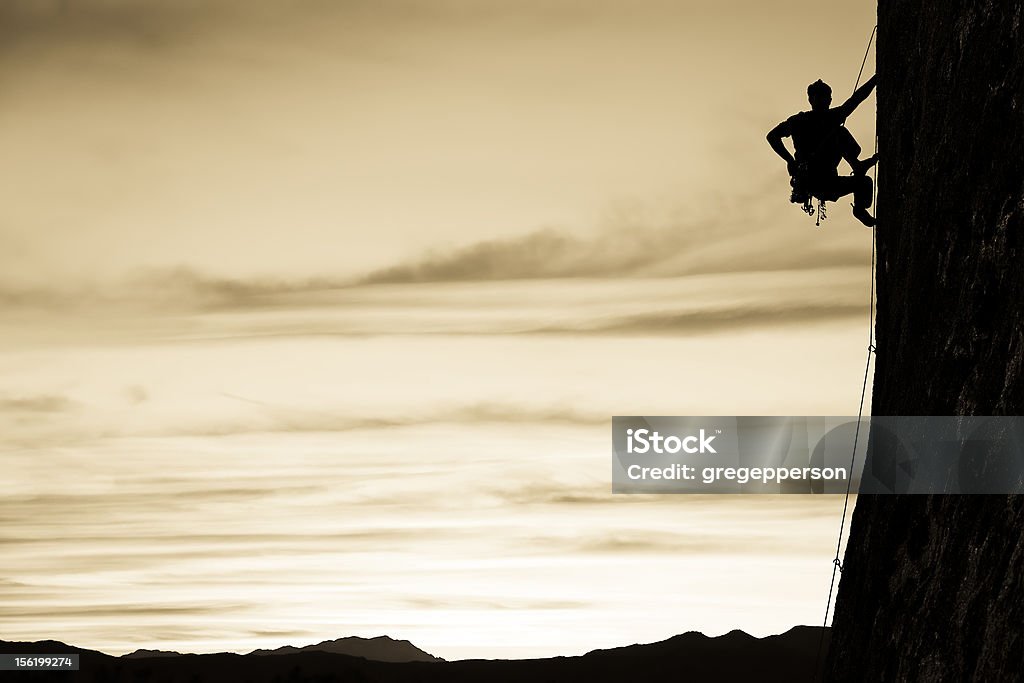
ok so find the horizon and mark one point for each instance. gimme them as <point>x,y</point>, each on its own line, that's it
<point>312,646</point>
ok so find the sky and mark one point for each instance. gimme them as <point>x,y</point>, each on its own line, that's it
<point>314,316</point>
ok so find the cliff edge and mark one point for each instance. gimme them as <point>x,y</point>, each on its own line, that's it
<point>933,586</point>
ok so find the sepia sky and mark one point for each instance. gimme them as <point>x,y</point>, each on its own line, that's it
<point>313,316</point>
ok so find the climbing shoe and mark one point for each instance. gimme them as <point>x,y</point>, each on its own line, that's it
<point>863,216</point>
<point>862,166</point>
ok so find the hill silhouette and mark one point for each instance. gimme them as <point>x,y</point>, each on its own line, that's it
<point>693,657</point>
<point>380,649</point>
<point>143,654</point>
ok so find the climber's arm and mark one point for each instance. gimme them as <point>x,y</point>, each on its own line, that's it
<point>859,95</point>
<point>774,138</point>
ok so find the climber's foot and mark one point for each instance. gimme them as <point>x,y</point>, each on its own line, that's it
<point>861,214</point>
<point>862,166</point>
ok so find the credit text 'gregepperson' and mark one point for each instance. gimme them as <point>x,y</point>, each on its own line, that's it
<point>643,441</point>
<point>738,475</point>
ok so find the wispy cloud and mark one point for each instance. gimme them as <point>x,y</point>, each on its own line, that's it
<point>541,256</point>
<point>276,418</point>
<point>538,255</point>
<point>43,403</point>
<point>168,290</point>
<point>626,251</point>
<point>461,602</point>
<point>149,24</point>
<point>709,320</point>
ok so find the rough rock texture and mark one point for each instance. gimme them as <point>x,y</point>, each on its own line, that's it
<point>933,586</point>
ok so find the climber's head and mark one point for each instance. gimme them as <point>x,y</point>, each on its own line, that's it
<point>819,95</point>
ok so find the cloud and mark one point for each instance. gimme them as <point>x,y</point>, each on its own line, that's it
<point>736,243</point>
<point>168,290</point>
<point>157,24</point>
<point>44,612</point>
<point>542,254</point>
<point>43,403</point>
<point>457,602</point>
<point>710,320</point>
<point>61,22</point>
<point>280,633</point>
<point>551,492</point>
<point>136,394</point>
<point>178,288</point>
<point>644,542</point>
<point>279,418</point>
<point>14,296</point>
<point>742,235</point>
<point>744,230</point>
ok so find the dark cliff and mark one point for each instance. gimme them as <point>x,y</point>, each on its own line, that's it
<point>933,586</point>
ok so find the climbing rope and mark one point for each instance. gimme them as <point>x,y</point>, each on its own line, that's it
<point>837,565</point>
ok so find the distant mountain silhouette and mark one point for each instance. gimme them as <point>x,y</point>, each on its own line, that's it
<point>379,649</point>
<point>693,657</point>
<point>143,654</point>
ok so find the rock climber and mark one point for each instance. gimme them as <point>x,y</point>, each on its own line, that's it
<point>821,141</point>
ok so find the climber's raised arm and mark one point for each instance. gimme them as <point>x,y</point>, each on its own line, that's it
<point>859,95</point>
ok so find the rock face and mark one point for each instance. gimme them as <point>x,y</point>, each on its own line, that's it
<point>933,586</point>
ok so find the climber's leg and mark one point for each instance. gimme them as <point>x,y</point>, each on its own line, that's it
<point>860,186</point>
<point>851,153</point>
<point>862,196</point>
<point>862,193</point>
<point>849,147</point>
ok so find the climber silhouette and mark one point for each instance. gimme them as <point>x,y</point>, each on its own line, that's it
<point>822,141</point>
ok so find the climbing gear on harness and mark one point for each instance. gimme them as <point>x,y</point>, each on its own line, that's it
<point>800,195</point>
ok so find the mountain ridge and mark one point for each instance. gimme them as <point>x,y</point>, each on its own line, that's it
<point>732,656</point>
<point>383,649</point>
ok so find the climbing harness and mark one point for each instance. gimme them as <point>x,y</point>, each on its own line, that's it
<point>837,564</point>
<point>801,196</point>
<point>805,199</point>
